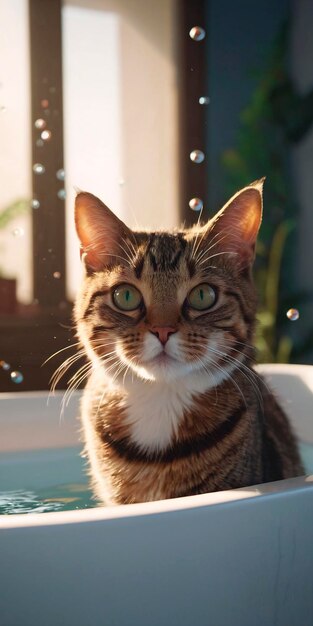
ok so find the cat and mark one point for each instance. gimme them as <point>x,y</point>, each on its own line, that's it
<point>173,406</point>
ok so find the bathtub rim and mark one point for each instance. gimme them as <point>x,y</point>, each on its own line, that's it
<point>230,498</point>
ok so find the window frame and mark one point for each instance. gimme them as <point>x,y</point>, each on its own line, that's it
<point>45,327</point>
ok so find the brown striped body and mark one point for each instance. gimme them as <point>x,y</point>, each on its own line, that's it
<point>218,446</point>
<point>173,406</point>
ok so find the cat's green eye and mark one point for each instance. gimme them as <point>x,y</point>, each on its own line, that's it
<point>201,297</point>
<point>127,297</point>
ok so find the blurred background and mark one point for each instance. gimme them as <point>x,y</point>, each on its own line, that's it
<point>159,108</point>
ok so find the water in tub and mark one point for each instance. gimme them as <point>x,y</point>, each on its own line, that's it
<point>55,480</point>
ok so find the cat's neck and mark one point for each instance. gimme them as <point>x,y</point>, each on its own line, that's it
<point>156,409</point>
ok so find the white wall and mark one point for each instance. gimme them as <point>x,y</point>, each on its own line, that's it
<point>121,128</point>
<point>15,141</point>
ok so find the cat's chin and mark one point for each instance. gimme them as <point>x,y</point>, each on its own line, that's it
<point>163,368</point>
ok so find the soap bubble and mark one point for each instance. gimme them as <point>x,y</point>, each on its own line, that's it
<point>197,156</point>
<point>38,168</point>
<point>35,204</point>
<point>197,33</point>
<point>204,100</point>
<point>46,135</point>
<point>17,377</point>
<point>57,275</point>
<point>5,366</point>
<point>62,194</point>
<point>18,232</point>
<point>196,204</point>
<point>40,123</point>
<point>293,315</point>
<point>60,174</point>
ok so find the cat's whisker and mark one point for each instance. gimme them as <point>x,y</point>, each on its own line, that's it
<point>212,256</point>
<point>63,368</point>
<point>199,233</point>
<point>73,345</point>
<point>74,383</point>
<point>210,247</point>
<point>246,371</point>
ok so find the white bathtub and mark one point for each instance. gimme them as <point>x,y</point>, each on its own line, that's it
<point>234,558</point>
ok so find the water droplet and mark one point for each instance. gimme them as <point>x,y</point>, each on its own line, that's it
<point>5,366</point>
<point>18,232</point>
<point>60,174</point>
<point>40,123</point>
<point>17,377</point>
<point>293,314</point>
<point>56,274</point>
<point>44,103</point>
<point>35,204</point>
<point>197,33</point>
<point>46,135</point>
<point>62,194</point>
<point>38,168</point>
<point>50,250</point>
<point>197,156</point>
<point>196,204</point>
<point>204,100</point>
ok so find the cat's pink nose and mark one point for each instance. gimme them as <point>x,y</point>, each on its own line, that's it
<point>163,332</point>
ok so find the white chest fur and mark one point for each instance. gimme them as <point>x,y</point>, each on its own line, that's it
<point>155,409</point>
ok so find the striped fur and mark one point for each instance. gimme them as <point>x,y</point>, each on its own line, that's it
<point>190,415</point>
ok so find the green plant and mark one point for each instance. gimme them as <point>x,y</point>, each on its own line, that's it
<point>275,118</point>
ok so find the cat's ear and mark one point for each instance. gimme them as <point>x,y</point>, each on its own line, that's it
<point>101,233</point>
<point>235,227</point>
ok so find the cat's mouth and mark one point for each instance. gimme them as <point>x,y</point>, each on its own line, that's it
<point>163,359</point>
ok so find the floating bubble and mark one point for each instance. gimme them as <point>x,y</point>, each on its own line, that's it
<point>204,100</point>
<point>62,194</point>
<point>57,275</point>
<point>35,204</point>
<point>197,33</point>
<point>46,135</point>
<point>60,174</point>
<point>38,168</point>
<point>5,366</point>
<point>18,232</point>
<point>17,377</point>
<point>293,315</point>
<point>44,103</point>
<point>40,123</point>
<point>197,156</point>
<point>196,204</point>
<point>39,143</point>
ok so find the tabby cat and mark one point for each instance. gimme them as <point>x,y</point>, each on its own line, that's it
<point>173,406</point>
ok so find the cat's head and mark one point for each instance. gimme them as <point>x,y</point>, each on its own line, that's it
<point>165,304</point>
